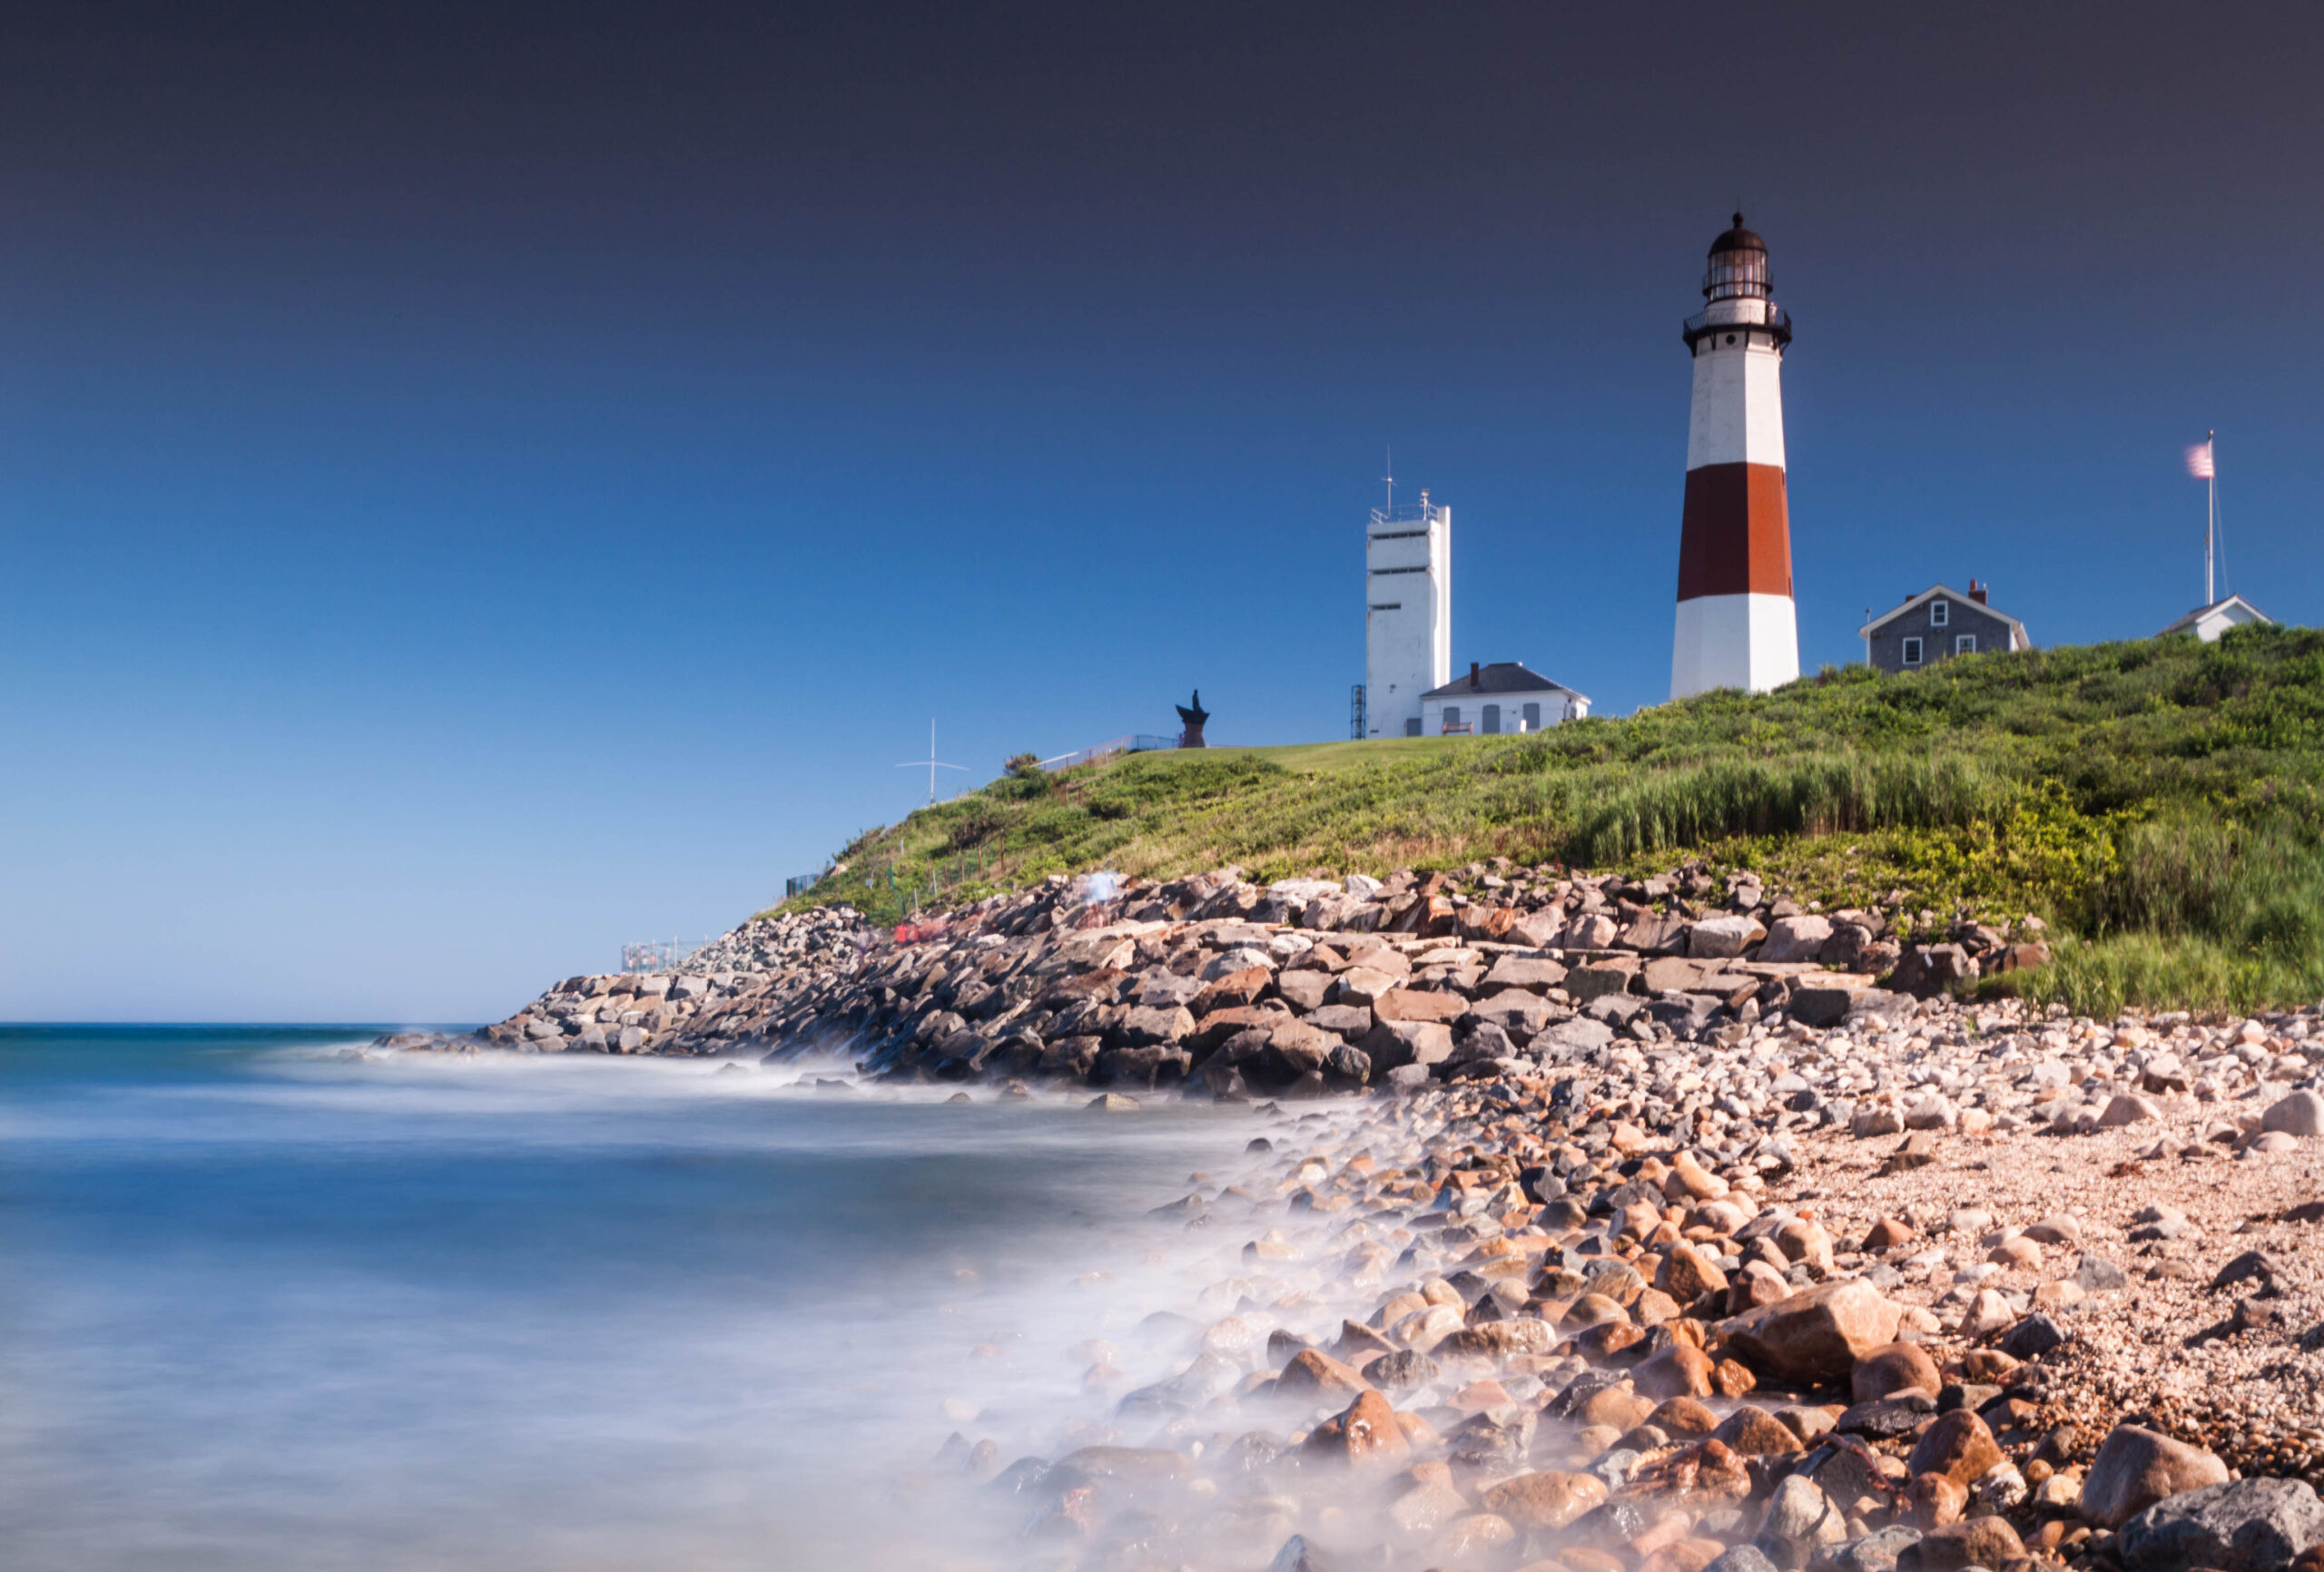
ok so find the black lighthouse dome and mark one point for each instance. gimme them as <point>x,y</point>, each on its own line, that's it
<point>1739,265</point>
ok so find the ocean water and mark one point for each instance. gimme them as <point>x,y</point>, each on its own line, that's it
<point>262,1306</point>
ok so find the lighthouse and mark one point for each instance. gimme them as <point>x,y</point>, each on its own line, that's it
<point>1736,626</point>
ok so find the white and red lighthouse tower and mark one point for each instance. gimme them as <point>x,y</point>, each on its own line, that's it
<point>1737,628</point>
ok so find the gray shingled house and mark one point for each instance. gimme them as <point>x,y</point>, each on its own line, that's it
<point>1936,623</point>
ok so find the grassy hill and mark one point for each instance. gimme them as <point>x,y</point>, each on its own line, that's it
<point>2160,800</point>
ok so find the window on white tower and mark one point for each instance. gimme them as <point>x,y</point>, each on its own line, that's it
<point>1912,652</point>
<point>1939,613</point>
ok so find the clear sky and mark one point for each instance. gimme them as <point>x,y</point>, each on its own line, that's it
<point>481,484</point>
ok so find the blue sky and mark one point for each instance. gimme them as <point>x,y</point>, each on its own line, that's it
<point>484,486</point>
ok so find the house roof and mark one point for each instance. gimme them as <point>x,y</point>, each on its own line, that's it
<point>1949,592</point>
<point>1501,677</point>
<point>2192,617</point>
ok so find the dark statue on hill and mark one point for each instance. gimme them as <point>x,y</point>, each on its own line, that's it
<point>1194,718</point>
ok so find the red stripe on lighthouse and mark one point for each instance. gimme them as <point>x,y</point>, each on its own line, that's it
<point>1734,538</point>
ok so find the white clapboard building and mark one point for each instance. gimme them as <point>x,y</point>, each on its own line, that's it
<point>1499,698</point>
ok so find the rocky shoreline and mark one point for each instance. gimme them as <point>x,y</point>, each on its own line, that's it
<point>1552,1321</point>
<point>1302,986</point>
<point>1691,1233</point>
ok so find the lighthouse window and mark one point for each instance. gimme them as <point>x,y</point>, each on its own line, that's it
<point>1965,645</point>
<point>1912,652</point>
<point>1939,613</point>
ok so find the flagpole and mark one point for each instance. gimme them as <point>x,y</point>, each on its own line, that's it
<point>2210,516</point>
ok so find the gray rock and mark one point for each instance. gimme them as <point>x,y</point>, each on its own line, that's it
<point>1796,939</point>
<point>2033,1337</point>
<point>2246,1525</point>
<point>1298,1555</point>
<point>2301,1113</point>
<point>1578,1035</point>
<point>1875,1552</point>
<point>2096,1274</point>
<point>1720,937</point>
<point>1820,1006</point>
<point>1743,1559</point>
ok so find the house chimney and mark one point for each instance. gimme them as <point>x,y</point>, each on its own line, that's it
<point>1977,592</point>
<point>1472,674</point>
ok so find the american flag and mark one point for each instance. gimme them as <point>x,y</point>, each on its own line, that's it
<point>2198,461</point>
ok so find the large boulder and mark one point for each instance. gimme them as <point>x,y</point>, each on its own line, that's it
<point>2137,1466</point>
<point>1720,937</point>
<point>2249,1526</point>
<point>1536,973</point>
<point>1544,1500</point>
<point>1818,1335</point>
<point>2301,1113</point>
<point>1391,1045</point>
<point>1796,939</point>
<point>1418,1005</point>
<point>1926,970</point>
<point>1514,1011</point>
<point>1149,1025</point>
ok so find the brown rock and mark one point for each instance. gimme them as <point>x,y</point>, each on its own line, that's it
<point>1544,1500</point>
<point>1683,1418</point>
<point>1732,1379</point>
<point>1235,989</point>
<point>2137,1466</point>
<point>1988,1542</point>
<point>1756,1285</point>
<point>1818,1335</point>
<point>1688,1274</point>
<point>1680,1370</point>
<point>1691,1554</point>
<point>1588,1559</point>
<point>1367,1432</point>
<point>1418,1005</point>
<point>1933,1500</point>
<point>1315,1374</point>
<point>1887,1234</point>
<point>1617,1407</point>
<point>1655,1307</point>
<point>1753,1432</point>
<point>1500,1339</point>
<point>1899,1367</point>
<point>1959,1446</point>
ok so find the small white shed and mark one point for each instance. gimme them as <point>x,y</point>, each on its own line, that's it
<point>2207,623</point>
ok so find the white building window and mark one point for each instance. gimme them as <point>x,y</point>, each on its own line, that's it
<point>1965,643</point>
<point>1939,613</point>
<point>1493,720</point>
<point>1912,652</point>
<point>1451,716</point>
<point>1532,713</point>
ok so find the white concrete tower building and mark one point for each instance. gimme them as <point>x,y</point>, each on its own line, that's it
<point>1737,627</point>
<point>1407,614</point>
